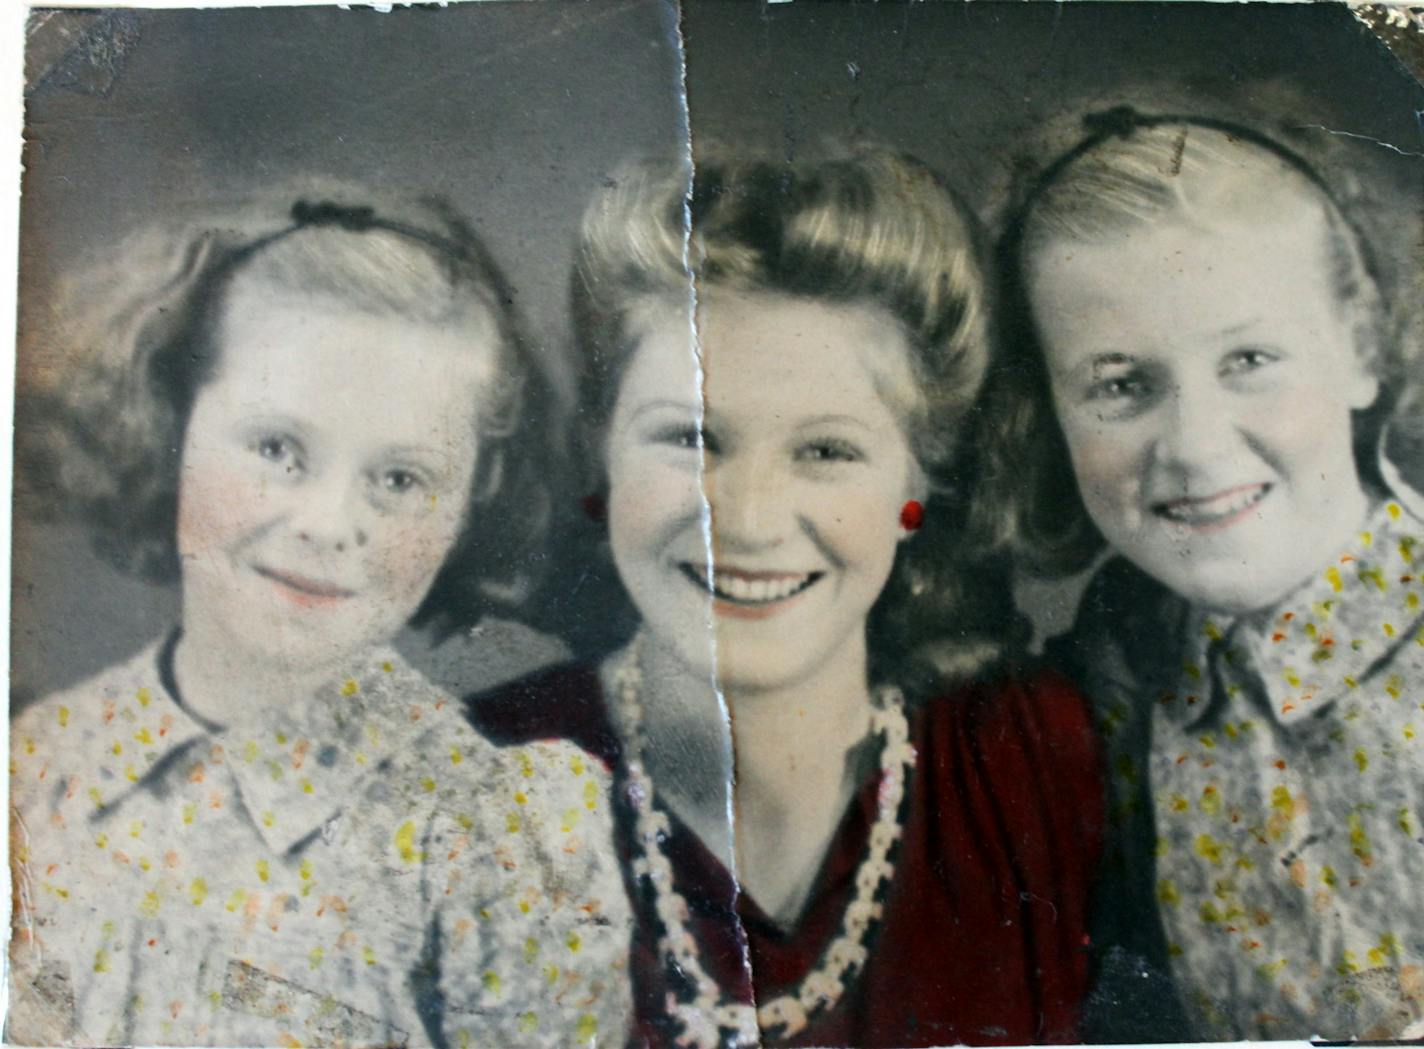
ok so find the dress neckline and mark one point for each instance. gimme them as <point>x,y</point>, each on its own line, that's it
<point>168,678</point>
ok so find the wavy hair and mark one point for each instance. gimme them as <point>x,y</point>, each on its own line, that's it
<point>141,336</point>
<point>871,227</point>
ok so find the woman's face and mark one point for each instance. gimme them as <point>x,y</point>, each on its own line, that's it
<point>1204,379</point>
<point>788,475</point>
<point>325,474</point>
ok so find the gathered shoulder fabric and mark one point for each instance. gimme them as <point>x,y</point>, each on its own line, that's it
<point>359,868</point>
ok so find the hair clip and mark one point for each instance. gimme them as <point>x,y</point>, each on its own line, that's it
<point>1120,121</point>
<point>330,213</point>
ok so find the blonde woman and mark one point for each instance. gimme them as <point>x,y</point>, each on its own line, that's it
<point>914,818</point>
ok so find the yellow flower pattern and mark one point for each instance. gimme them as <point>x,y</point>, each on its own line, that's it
<point>1284,775</point>
<point>263,886</point>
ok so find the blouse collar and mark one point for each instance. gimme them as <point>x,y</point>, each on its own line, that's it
<point>297,767</point>
<point>1296,659</point>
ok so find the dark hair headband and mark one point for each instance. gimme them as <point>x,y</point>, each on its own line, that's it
<point>363,219</point>
<point>1125,121</point>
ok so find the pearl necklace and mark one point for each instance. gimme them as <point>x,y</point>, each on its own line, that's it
<point>710,1021</point>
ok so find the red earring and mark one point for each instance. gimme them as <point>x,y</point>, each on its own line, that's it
<point>594,507</point>
<point>912,515</point>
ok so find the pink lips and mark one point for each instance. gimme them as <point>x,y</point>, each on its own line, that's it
<point>304,591</point>
<point>1212,513</point>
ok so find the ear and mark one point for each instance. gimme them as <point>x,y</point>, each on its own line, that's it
<point>1363,386</point>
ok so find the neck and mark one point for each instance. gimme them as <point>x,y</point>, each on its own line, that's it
<point>788,739</point>
<point>220,683</point>
<point>687,749</point>
<point>782,733</point>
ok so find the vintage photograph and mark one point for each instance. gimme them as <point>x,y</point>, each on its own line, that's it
<point>718,524</point>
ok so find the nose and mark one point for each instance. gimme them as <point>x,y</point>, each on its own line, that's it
<point>329,513</point>
<point>749,501</point>
<point>1200,427</point>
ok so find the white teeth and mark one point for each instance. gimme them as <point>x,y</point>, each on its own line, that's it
<point>750,591</point>
<point>1206,511</point>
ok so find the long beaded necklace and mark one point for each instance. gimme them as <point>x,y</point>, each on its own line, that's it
<point>710,1020</point>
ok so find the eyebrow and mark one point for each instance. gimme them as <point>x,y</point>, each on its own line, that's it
<point>660,405</point>
<point>1094,365</point>
<point>822,420</point>
<point>1235,329</point>
<point>417,451</point>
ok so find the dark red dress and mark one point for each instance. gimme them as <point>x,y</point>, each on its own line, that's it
<point>984,936</point>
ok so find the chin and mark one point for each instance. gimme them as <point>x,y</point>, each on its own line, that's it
<point>1229,590</point>
<point>747,671</point>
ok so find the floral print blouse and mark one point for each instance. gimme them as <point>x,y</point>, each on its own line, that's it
<point>358,868</point>
<point>1267,781</point>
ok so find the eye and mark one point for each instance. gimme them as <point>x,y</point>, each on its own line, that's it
<point>1246,360</point>
<point>399,481</point>
<point>1119,388</point>
<point>396,481</point>
<point>278,449</point>
<point>687,436</point>
<point>829,450</point>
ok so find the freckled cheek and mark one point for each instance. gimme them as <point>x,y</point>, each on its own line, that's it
<point>218,505</point>
<point>402,557</point>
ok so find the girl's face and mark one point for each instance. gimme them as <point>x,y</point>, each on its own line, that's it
<point>1204,379</point>
<point>804,466</point>
<point>325,473</point>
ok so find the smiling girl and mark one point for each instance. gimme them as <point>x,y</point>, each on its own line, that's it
<point>265,828</point>
<point>1202,375</point>
<point>880,853</point>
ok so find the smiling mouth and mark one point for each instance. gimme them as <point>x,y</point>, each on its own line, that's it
<point>1212,512</point>
<point>749,590</point>
<point>303,590</point>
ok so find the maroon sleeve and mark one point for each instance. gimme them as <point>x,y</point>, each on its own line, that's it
<point>1034,748</point>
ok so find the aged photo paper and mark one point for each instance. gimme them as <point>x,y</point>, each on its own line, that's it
<point>711,523</point>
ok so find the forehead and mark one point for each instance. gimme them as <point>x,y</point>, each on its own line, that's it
<point>311,358</point>
<point>1164,283</point>
<point>771,356</point>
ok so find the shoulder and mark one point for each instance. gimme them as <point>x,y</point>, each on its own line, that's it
<point>565,702</point>
<point>81,706</point>
<point>531,781</point>
<point>473,766</point>
<point>89,726</point>
<point>1026,724</point>
<point>1028,699</point>
<point>480,659</point>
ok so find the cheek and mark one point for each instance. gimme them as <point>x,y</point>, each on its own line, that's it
<point>649,501</point>
<point>218,504</point>
<point>1110,462</point>
<point>403,555</point>
<point>1310,429</point>
<point>858,523</point>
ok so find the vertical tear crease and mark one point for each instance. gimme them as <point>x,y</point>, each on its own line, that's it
<point>694,305</point>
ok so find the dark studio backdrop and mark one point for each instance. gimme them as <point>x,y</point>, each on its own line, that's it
<point>519,111</point>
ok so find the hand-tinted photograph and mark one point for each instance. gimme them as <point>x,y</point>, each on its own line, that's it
<point>719,524</point>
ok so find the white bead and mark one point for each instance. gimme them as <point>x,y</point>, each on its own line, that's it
<point>847,954</point>
<point>784,1012</point>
